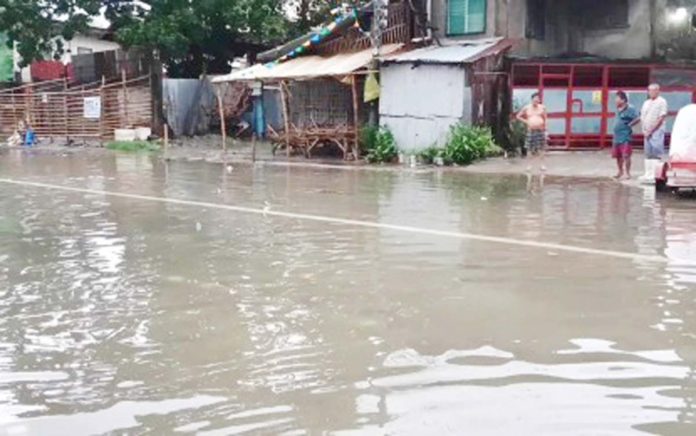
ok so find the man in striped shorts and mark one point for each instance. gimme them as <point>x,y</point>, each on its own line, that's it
<point>534,117</point>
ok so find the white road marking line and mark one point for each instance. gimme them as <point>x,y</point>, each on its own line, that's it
<point>356,223</point>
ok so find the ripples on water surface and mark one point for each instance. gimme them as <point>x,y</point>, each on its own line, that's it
<point>122,315</point>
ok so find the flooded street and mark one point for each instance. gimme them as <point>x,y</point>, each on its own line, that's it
<point>339,301</point>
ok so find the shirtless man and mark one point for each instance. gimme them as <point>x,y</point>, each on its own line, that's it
<point>534,117</point>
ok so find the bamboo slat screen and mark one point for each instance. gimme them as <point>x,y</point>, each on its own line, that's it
<point>320,102</point>
<point>55,110</point>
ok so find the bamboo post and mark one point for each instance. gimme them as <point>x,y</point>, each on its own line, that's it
<point>125,98</point>
<point>286,118</point>
<point>223,128</point>
<point>253,147</point>
<point>102,97</point>
<point>82,118</point>
<point>65,111</point>
<point>14,110</point>
<point>356,116</point>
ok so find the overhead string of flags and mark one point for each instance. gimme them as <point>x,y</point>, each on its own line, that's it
<point>348,12</point>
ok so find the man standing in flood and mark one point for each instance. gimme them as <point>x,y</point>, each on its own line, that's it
<point>534,117</point>
<point>653,118</point>
<point>626,118</point>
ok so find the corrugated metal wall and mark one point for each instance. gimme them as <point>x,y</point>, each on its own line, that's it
<point>420,104</point>
<point>189,105</point>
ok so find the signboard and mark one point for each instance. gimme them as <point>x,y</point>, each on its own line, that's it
<point>92,108</point>
<point>597,97</point>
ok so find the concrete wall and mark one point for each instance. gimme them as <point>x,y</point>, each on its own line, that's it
<point>439,20</point>
<point>420,104</point>
<point>630,43</point>
<point>564,33</point>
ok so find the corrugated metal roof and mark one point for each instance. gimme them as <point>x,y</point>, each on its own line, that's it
<point>460,53</point>
<point>308,67</point>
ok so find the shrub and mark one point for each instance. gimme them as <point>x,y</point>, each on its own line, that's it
<point>132,146</point>
<point>379,144</point>
<point>467,144</point>
<point>516,135</point>
<point>429,155</point>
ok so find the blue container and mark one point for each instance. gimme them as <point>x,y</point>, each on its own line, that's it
<point>29,138</point>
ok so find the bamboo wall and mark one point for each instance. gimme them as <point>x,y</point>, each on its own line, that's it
<point>56,110</point>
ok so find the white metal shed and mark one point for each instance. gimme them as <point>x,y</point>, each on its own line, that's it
<point>426,91</point>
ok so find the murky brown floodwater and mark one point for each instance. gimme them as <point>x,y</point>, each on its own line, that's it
<point>131,316</point>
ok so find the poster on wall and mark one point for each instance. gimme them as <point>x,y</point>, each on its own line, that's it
<point>92,108</point>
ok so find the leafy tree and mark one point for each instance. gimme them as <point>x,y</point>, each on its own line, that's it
<point>309,13</point>
<point>202,36</point>
<point>34,25</point>
<point>193,37</point>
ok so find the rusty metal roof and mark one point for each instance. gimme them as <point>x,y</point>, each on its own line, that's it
<point>308,67</point>
<point>461,52</point>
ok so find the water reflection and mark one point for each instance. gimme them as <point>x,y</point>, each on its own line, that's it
<point>121,314</point>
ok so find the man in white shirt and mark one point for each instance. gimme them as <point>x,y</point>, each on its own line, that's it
<point>653,119</point>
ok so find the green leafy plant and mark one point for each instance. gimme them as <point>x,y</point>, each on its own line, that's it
<point>132,146</point>
<point>516,135</point>
<point>430,154</point>
<point>467,144</point>
<point>379,144</point>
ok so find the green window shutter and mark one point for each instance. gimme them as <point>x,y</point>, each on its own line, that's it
<point>466,16</point>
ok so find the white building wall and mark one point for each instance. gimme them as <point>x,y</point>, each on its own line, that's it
<point>71,48</point>
<point>87,42</point>
<point>420,103</point>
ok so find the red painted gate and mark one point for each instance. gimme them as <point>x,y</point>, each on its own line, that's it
<point>580,96</point>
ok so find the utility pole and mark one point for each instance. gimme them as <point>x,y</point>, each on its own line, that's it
<point>380,21</point>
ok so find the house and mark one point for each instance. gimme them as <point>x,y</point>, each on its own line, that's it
<point>95,40</point>
<point>578,53</point>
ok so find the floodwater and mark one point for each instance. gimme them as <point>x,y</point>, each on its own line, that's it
<point>128,314</point>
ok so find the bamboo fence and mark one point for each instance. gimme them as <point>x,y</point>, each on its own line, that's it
<point>53,109</point>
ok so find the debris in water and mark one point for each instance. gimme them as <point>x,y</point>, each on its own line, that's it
<point>266,208</point>
<point>199,226</point>
<point>229,169</point>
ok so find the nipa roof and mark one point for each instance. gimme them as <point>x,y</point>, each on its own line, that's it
<point>308,67</point>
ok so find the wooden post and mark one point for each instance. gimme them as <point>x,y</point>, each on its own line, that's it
<point>14,111</point>
<point>286,117</point>
<point>356,116</point>
<point>65,111</point>
<point>166,137</point>
<point>253,147</point>
<point>102,96</point>
<point>156,91</point>
<point>223,128</point>
<point>125,98</point>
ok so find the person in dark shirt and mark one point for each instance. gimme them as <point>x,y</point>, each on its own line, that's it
<point>626,117</point>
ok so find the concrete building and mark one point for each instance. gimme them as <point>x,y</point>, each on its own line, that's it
<point>617,29</point>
